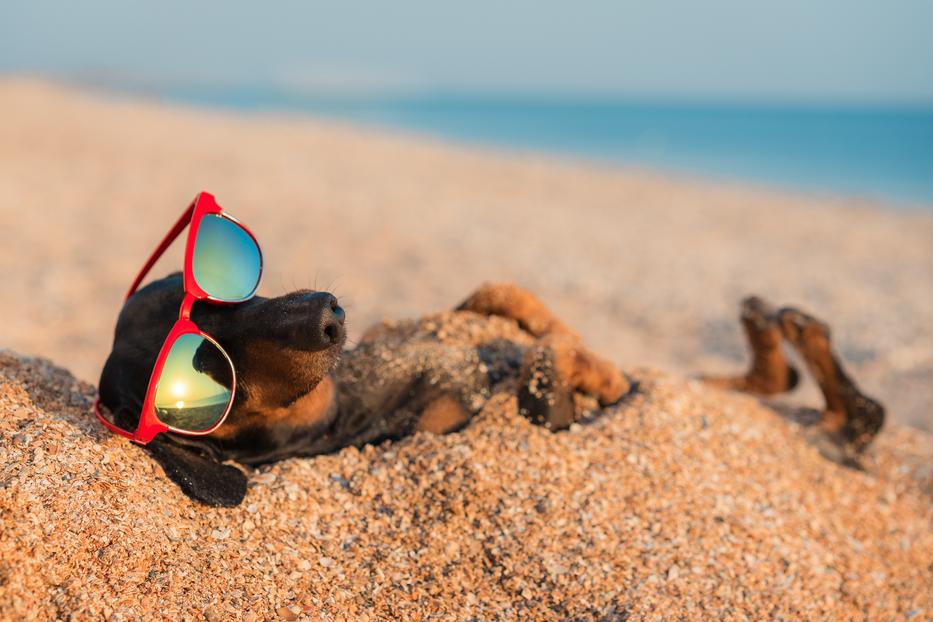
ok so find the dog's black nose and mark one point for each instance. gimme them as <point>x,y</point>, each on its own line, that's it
<point>326,320</point>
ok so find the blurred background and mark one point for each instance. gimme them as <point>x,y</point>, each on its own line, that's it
<point>641,165</point>
<point>832,96</point>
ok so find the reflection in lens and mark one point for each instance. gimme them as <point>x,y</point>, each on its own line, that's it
<point>227,262</point>
<point>195,386</point>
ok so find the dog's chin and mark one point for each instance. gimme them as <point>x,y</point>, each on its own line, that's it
<point>312,368</point>
<point>323,360</point>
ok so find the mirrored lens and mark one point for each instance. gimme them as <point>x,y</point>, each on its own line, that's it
<point>226,262</point>
<point>195,386</point>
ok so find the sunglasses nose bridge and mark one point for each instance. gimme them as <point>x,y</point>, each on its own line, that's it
<point>187,304</point>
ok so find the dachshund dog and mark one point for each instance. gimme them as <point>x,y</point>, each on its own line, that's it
<point>299,393</point>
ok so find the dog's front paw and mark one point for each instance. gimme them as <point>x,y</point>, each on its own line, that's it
<point>556,367</point>
<point>545,397</point>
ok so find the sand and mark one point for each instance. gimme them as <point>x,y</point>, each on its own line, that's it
<point>684,502</point>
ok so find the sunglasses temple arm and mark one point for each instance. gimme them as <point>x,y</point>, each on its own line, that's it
<point>174,233</point>
<point>107,424</point>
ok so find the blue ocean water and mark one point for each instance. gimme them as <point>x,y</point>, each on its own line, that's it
<point>881,152</point>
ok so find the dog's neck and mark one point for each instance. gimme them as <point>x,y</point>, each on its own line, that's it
<point>315,408</point>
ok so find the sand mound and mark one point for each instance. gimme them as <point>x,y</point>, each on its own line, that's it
<point>682,502</point>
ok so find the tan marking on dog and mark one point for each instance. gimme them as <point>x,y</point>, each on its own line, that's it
<point>443,415</point>
<point>769,372</point>
<point>514,302</point>
<point>584,371</point>
<point>850,415</point>
<point>314,408</point>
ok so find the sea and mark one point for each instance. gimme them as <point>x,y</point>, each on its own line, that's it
<point>880,153</point>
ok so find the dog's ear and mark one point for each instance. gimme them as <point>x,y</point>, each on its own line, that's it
<point>200,478</point>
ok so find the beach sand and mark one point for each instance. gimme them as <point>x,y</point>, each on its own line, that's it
<point>649,269</point>
<point>683,502</point>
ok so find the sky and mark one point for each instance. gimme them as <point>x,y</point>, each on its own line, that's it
<point>789,50</point>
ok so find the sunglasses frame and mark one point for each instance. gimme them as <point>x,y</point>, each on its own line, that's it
<point>149,423</point>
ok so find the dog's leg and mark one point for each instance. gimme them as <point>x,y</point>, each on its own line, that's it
<point>769,372</point>
<point>851,419</point>
<point>201,478</point>
<point>391,388</point>
<point>511,301</point>
<point>555,367</point>
<point>443,414</point>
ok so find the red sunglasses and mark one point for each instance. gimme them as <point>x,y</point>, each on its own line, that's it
<point>193,382</point>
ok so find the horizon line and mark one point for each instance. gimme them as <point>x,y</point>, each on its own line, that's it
<point>361,93</point>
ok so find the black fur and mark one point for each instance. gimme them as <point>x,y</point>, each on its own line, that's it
<point>298,393</point>
<point>281,346</point>
<point>200,478</point>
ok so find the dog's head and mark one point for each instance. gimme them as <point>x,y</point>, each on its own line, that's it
<point>283,350</point>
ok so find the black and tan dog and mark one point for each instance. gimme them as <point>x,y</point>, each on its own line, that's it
<point>300,394</point>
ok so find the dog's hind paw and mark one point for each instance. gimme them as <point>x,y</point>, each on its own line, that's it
<point>833,447</point>
<point>769,372</point>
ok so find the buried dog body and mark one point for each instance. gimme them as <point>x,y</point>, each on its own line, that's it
<point>299,393</point>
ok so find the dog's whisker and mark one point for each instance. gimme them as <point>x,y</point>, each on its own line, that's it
<point>330,286</point>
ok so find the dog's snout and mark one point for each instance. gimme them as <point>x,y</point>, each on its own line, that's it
<point>337,310</point>
<point>332,321</point>
<point>327,319</point>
